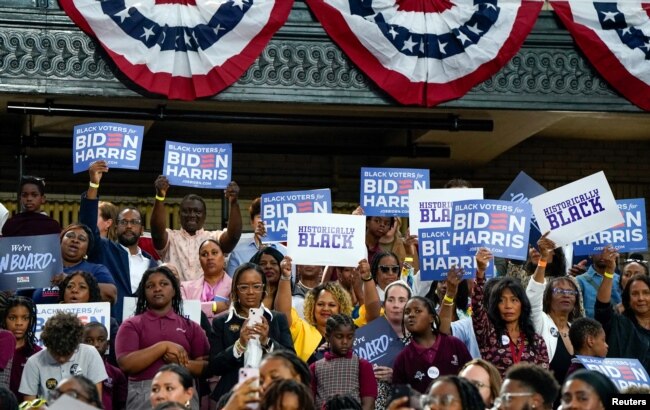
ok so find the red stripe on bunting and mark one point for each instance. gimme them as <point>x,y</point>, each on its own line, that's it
<point>602,58</point>
<point>197,86</point>
<point>434,6</point>
<point>399,86</point>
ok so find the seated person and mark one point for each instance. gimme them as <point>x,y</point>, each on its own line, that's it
<point>30,221</point>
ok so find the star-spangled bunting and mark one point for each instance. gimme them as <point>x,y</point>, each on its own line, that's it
<point>615,38</point>
<point>424,52</point>
<point>183,49</point>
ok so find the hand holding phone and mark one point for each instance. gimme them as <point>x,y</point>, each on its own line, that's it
<point>246,373</point>
<point>255,316</point>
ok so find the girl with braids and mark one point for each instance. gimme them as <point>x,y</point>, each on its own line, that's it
<point>18,315</point>
<point>341,371</point>
<point>158,334</point>
<point>504,331</point>
<point>429,354</point>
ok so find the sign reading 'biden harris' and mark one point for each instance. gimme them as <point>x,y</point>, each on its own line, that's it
<point>327,239</point>
<point>119,145</point>
<point>277,206</point>
<point>198,165</point>
<point>576,210</point>
<point>385,191</point>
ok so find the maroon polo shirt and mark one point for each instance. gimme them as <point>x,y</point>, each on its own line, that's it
<point>419,366</point>
<point>147,329</point>
<point>20,358</point>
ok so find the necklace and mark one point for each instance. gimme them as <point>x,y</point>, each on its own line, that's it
<point>307,289</point>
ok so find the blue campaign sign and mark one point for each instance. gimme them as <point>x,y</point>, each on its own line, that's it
<point>206,166</point>
<point>377,342</point>
<point>522,188</point>
<point>277,206</point>
<point>623,372</point>
<point>630,236</point>
<point>385,191</point>
<point>119,145</point>
<point>501,226</point>
<point>28,262</point>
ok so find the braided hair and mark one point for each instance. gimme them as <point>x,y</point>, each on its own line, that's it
<point>177,300</point>
<point>435,326</point>
<point>6,304</point>
<point>273,396</point>
<point>291,360</point>
<point>470,398</point>
<point>334,321</point>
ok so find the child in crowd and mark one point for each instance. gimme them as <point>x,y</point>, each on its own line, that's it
<point>19,317</point>
<point>341,371</point>
<point>114,388</point>
<point>30,221</point>
<point>430,354</point>
<point>64,356</point>
<point>588,339</point>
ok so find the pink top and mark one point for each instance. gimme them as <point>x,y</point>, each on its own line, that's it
<point>182,249</point>
<point>201,290</point>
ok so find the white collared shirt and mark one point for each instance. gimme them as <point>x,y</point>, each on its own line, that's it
<point>138,264</point>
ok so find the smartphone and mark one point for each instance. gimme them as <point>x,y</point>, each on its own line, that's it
<point>405,390</point>
<point>246,373</point>
<point>255,316</point>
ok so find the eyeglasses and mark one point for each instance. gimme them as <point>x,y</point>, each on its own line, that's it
<point>565,292</point>
<point>438,400</point>
<point>506,398</point>
<point>27,404</point>
<point>389,268</point>
<point>54,394</point>
<point>256,288</point>
<point>641,261</point>
<point>71,235</point>
<point>125,222</point>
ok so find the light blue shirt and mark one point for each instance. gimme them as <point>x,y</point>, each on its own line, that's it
<point>589,283</point>
<point>246,248</point>
<point>463,329</point>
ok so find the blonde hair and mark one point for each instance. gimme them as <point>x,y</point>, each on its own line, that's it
<point>340,295</point>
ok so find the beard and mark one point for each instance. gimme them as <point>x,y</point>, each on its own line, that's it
<point>128,241</point>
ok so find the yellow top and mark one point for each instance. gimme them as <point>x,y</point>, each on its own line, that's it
<point>306,338</point>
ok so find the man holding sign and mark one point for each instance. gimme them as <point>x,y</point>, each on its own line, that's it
<point>181,246</point>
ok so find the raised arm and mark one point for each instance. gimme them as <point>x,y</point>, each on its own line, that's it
<point>411,248</point>
<point>370,294</point>
<point>230,237</point>
<point>446,314</point>
<point>605,290</point>
<point>89,204</point>
<point>283,296</point>
<point>546,247</point>
<point>535,288</point>
<point>158,217</point>
<point>480,319</point>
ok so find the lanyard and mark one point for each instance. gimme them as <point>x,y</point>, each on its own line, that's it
<point>516,355</point>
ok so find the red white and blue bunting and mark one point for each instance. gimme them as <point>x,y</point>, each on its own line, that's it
<point>424,52</point>
<point>615,37</point>
<point>183,49</point>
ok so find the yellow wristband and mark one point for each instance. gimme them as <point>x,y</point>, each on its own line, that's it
<point>541,263</point>
<point>160,198</point>
<point>608,275</point>
<point>214,307</point>
<point>93,185</point>
<point>448,299</point>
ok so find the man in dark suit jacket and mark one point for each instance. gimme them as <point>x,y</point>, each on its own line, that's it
<point>123,258</point>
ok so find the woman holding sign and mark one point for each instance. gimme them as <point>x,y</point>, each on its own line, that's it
<point>505,332</point>
<point>554,306</point>
<point>628,334</point>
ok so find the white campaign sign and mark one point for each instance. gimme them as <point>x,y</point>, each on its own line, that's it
<point>86,312</point>
<point>191,309</point>
<point>327,239</point>
<point>431,208</point>
<point>576,210</point>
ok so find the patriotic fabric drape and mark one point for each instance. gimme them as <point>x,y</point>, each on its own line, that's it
<point>424,52</point>
<point>615,37</point>
<point>183,49</point>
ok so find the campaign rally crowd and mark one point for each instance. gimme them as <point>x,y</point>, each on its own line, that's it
<point>273,334</point>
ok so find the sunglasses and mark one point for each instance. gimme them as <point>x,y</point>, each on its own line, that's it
<point>389,268</point>
<point>565,292</point>
<point>28,404</point>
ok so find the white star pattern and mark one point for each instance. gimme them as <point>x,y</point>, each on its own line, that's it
<point>147,33</point>
<point>188,39</point>
<point>610,15</point>
<point>123,15</point>
<point>441,47</point>
<point>474,29</point>
<point>422,47</point>
<point>626,31</point>
<point>219,28</point>
<point>392,32</point>
<point>409,44</point>
<point>646,46</point>
<point>463,37</point>
<point>490,5</point>
<point>238,3</point>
